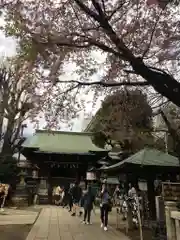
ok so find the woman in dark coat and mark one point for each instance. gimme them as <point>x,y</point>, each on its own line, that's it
<point>88,201</point>
<point>105,206</point>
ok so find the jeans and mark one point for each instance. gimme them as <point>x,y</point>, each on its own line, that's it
<point>87,214</point>
<point>104,214</point>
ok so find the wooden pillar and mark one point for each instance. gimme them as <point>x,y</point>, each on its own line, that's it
<point>130,225</point>
<point>129,210</point>
<point>50,188</point>
<point>151,197</point>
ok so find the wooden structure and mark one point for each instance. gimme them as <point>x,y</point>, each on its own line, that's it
<point>147,165</point>
<point>171,191</point>
<point>62,157</point>
<point>172,221</point>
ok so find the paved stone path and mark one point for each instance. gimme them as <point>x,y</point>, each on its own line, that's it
<point>55,223</point>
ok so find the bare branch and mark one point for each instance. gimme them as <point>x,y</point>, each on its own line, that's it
<point>160,106</point>
<point>105,48</point>
<point>152,35</point>
<point>87,10</point>
<point>115,10</point>
<point>98,8</point>
<point>103,4</point>
<point>90,43</point>
<point>105,84</point>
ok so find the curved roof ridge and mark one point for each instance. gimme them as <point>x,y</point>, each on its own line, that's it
<point>63,132</point>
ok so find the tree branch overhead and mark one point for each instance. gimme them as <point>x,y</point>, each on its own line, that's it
<point>124,30</point>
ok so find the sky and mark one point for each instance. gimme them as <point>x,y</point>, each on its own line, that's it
<point>8,49</point>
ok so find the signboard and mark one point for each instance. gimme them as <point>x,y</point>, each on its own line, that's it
<point>64,165</point>
<point>171,191</point>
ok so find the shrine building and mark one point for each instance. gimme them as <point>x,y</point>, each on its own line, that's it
<point>62,157</point>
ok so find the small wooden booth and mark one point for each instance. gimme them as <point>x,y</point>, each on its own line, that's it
<point>144,169</point>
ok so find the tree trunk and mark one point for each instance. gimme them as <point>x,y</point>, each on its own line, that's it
<point>6,149</point>
<point>151,197</point>
<point>1,120</point>
<point>162,82</point>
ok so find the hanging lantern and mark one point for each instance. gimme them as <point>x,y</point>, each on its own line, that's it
<point>34,174</point>
<point>142,184</point>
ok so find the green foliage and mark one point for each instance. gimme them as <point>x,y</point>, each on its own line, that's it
<point>126,118</point>
<point>172,114</point>
<point>99,138</point>
<point>8,168</point>
<point>26,48</point>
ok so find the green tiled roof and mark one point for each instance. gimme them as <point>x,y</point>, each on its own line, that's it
<point>148,157</point>
<point>61,142</point>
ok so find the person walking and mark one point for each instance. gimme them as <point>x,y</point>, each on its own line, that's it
<point>116,196</point>
<point>88,201</point>
<point>76,197</point>
<point>70,198</point>
<point>63,195</point>
<point>132,191</point>
<point>104,207</point>
<point>2,195</point>
<point>57,195</point>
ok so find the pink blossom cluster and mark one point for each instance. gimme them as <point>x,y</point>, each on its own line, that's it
<point>151,2</point>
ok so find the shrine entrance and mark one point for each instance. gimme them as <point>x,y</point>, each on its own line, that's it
<point>62,158</point>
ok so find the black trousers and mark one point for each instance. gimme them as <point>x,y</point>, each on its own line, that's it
<point>104,214</point>
<point>1,200</point>
<point>87,214</point>
<point>70,203</point>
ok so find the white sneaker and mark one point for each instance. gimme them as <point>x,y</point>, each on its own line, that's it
<point>83,222</point>
<point>105,228</point>
<point>102,225</point>
<point>88,223</point>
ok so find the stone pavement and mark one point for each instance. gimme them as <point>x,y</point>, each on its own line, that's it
<point>55,223</point>
<point>17,217</point>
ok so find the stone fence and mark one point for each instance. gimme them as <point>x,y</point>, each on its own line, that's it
<point>172,221</point>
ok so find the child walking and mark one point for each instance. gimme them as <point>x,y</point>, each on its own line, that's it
<point>88,201</point>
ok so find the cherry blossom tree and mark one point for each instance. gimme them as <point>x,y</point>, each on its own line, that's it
<point>18,90</point>
<point>139,43</point>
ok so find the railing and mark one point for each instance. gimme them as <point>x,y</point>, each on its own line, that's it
<point>175,216</point>
<point>172,221</point>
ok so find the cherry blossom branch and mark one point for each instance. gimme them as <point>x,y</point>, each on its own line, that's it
<point>105,84</point>
<point>116,10</point>
<point>152,35</point>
